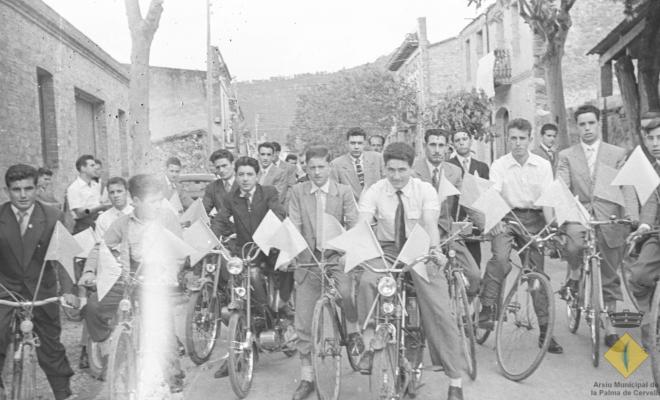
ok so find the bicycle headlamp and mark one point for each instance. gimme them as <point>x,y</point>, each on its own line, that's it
<point>451,253</point>
<point>210,268</point>
<point>240,291</point>
<point>125,305</point>
<point>388,308</point>
<point>387,286</point>
<point>235,265</point>
<point>26,326</point>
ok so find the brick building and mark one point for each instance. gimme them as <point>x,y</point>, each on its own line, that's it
<point>62,95</point>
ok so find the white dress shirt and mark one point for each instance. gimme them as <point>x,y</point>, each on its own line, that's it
<point>591,154</point>
<point>521,185</point>
<point>25,225</point>
<point>381,200</point>
<point>109,216</point>
<point>465,162</point>
<point>83,195</point>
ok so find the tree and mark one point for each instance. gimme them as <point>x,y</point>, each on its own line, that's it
<point>367,97</point>
<point>550,21</point>
<point>462,111</point>
<point>142,34</point>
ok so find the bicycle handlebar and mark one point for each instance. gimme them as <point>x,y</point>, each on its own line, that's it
<point>38,303</point>
<point>422,259</point>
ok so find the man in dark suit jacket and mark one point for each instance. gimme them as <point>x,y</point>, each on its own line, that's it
<point>546,148</point>
<point>26,227</point>
<point>290,172</point>
<point>270,174</point>
<point>223,161</point>
<point>464,160</point>
<point>248,205</point>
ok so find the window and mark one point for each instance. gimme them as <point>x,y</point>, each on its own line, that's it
<point>468,67</point>
<point>91,125</point>
<point>48,121</point>
<point>123,141</point>
<point>480,44</point>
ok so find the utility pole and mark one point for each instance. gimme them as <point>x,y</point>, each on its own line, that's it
<point>209,83</point>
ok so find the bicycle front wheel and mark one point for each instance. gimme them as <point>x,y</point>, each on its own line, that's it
<point>326,349</point>
<point>518,346</point>
<point>24,374</point>
<point>241,355</point>
<point>122,367</point>
<point>465,327</point>
<point>202,324</point>
<point>596,310</point>
<point>384,374</point>
<point>654,337</point>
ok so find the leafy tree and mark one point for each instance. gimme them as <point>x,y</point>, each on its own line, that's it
<point>550,20</point>
<point>370,98</point>
<point>462,111</point>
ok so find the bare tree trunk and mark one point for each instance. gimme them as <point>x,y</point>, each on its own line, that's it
<point>142,34</point>
<point>625,76</point>
<point>554,83</point>
<point>649,56</point>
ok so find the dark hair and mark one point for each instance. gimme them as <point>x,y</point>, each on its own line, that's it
<point>454,133</point>
<point>276,147</point>
<point>382,139</point>
<point>19,172</point>
<point>173,161</point>
<point>117,180</point>
<point>399,151</point>
<point>291,157</point>
<point>267,145</point>
<point>521,124</point>
<point>96,160</point>
<point>141,185</point>
<point>82,161</point>
<point>437,132</point>
<point>548,127</point>
<point>357,131</point>
<point>317,152</point>
<point>586,109</point>
<point>222,153</point>
<point>247,162</point>
<point>44,172</point>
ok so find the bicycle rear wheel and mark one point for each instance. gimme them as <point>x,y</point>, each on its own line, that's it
<point>202,324</point>
<point>595,312</point>
<point>326,349</point>
<point>465,327</point>
<point>517,346</point>
<point>654,346</point>
<point>241,355</point>
<point>24,374</point>
<point>480,335</point>
<point>122,366</point>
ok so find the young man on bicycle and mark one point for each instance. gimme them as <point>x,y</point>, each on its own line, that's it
<point>125,238</point>
<point>247,206</point>
<point>26,229</point>
<point>308,202</point>
<point>578,168</point>
<point>520,177</point>
<point>646,270</point>
<point>398,203</point>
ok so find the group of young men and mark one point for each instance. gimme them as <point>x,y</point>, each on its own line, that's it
<point>394,189</point>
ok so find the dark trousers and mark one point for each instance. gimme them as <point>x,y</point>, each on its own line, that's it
<point>98,315</point>
<point>499,266</point>
<point>643,274</point>
<point>51,354</point>
<point>475,249</point>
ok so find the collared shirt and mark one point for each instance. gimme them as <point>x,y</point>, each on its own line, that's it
<point>591,154</point>
<point>249,194</point>
<point>109,216</point>
<point>83,195</point>
<point>229,182</point>
<point>354,161</point>
<point>547,149</point>
<point>381,200</point>
<point>264,172</point>
<point>432,167</point>
<point>322,192</point>
<point>521,185</point>
<point>463,161</point>
<point>26,218</point>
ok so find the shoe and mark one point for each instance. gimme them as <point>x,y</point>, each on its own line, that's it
<point>570,290</point>
<point>553,347</point>
<point>610,340</point>
<point>367,359</point>
<point>304,390</point>
<point>223,371</point>
<point>487,317</point>
<point>83,363</point>
<point>455,393</point>
<point>181,349</point>
<point>355,344</point>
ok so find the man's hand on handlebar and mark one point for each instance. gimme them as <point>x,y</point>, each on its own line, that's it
<point>497,229</point>
<point>642,229</point>
<point>438,256</point>
<point>71,300</point>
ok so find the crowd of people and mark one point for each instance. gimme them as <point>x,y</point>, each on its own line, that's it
<point>383,184</point>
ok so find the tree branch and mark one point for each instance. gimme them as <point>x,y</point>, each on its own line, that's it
<point>133,13</point>
<point>153,15</point>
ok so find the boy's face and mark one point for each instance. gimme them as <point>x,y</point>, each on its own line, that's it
<point>22,193</point>
<point>148,208</point>
<point>118,195</point>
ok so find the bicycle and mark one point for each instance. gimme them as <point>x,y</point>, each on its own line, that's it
<point>589,298</point>
<point>517,331</point>
<point>399,337</point>
<point>328,335</point>
<point>23,346</point>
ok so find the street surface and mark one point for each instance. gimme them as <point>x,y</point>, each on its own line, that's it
<point>567,376</point>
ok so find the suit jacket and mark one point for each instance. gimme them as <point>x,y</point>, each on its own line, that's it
<point>276,177</point>
<point>343,171</point>
<point>453,175</point>
<point>339,203</point>
<point>540,151</point>
<point>572,168</point>
<point>214,193</point>
<point>477,166</point>
<point>246,222</point>
<point>649,213</point>
<point>21,258</point>
<point>291,173</point>
<point>171,188</point>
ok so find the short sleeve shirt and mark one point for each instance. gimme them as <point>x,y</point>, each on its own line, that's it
<point>521,185</point>
<point>381,200</point>
<point>83,195</point>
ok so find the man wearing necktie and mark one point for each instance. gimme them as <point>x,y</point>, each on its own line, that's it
<point>309,202</point>
<point>578,167</point>
<point>223,162</point>
<point>546,148</point>
<point>26,227</point>
<point>399,202</point>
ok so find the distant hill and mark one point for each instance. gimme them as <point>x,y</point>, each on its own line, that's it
<point>271,103</point>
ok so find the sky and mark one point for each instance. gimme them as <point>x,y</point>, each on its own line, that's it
<point>263,38</point>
